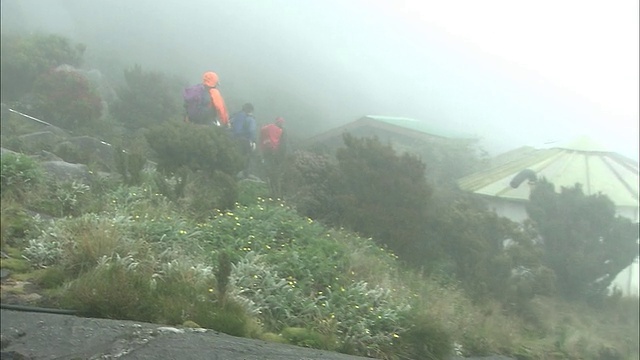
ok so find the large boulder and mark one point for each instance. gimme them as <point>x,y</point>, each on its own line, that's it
<point>34,143</point>
<point>86,150</point>
<point>4,151</point>
<point>65,171</point>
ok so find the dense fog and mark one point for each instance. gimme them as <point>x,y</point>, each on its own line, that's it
<point>508,74</point>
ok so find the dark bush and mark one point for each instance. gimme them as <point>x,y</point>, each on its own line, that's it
<point>205,193</point>
<point>584,242</point>
<point>382,195</point>
<point>426,339</point>
<point>147,99</point>
<point>197,148</point>
<point>67,99</point>
<point>197,163</point>
<point>25,58</point>
<point>308,183</point>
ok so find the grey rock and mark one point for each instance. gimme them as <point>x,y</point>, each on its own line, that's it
<point>35,142</point>
<point>48,156</point>
<point>86,149</point>
<point>69,337</point>
<point>4,272</point>
<point>65,171</point>
<point>13,355</point>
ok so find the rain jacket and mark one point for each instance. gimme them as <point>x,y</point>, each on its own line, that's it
<point>210,79</point>
<point>270,137</point>
<point>243,126</point>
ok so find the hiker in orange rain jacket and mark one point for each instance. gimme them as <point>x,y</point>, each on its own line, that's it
<point>210,80</point>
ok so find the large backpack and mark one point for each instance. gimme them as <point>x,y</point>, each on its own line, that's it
<point>196,102</point>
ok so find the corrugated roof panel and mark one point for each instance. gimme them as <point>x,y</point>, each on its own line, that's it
<point>533,160</point>
<point>597,171</point>
<point>618,185</point>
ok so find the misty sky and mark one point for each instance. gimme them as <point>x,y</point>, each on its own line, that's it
<point>512,72</point>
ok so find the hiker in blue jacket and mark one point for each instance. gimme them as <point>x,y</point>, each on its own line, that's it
<point>244,130</point>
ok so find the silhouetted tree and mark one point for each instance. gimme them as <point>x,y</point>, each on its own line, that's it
<point>584,242</point>
<point>466,241</point>
<point>381,194</point>
<point>148,98</point>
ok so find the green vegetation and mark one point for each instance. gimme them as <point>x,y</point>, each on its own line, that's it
<point>67,99</point>
<point>146,99</point>
<point>261,270</point>
<point>388,205</point>
<point>25,58</point>
<point>361,254</point>
<point>20,174</point>
<point>586,244</point>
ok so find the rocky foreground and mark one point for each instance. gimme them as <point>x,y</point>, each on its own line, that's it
<point>30,335</point>
<point>35,335</point>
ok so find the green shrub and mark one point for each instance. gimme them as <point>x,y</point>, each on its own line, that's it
<point>65,198</point>
<point>41,253</point>
<point>198,148</point>
<point>257,287</point>
<point>119,287</point>
<point>477,257</point>
<point>67,99</point>
<point>369,317</point>
<point>17,265</point>
<point>228,317</point>
<point>52,277</point>
<point>24,58</point>
<point>308,338</point>
<point>476,344</point>
<point>271,337</point>
<point>78,244</point>
<point>294,274</point>
<point>222,275</point>
<point>250,192</point>
<point>164,231</point>
<point>182,289</point>
<point>19,175</point>
<point>585,243</point>
<point>16,225</point>
<point>425,339</point>
<point>309,184</point>
<point>147,99</point>
<point>206,154</point>
<point>129,165</point>
<point>383,195</point>
<point>290,272</point>
<point>205,193</point>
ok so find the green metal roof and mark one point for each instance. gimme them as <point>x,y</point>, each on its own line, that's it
<point>420,125</point>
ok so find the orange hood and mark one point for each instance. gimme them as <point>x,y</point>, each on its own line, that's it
<point>210,79</point>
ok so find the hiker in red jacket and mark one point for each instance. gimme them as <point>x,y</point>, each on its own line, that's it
<point>271,136</point>
<point>273,148</point>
